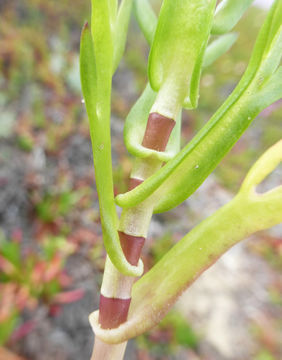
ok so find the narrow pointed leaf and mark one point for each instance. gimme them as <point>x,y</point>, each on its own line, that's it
<point>113,7</point>
<point>98,114</point>
<point>178,48</point>
<point>155,293</point>
<point>88,71</point>
<point>135,126</point>
<point>120,31</point>
<point>264,166</point>
<point>228,13</point>
<point>181,176</point>
<point>103,48</point>
<point>146,18</point>
<point>218,47</point>
<point>271,90</point>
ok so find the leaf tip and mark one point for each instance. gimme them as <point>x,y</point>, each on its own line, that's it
<point>85,28</point>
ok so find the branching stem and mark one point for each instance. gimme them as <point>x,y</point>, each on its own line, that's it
<point>133,228</point>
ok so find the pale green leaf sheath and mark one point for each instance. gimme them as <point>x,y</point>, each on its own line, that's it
<point>96,63</point>
<point>155,293</point>
<point>177,52</point>
<point>135,126</point>
<point>177,62</point>
<point>169,59</point>
<point>147,21</point>
<point>259,87</point>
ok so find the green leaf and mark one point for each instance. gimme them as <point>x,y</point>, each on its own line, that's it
<point>11,251</point>
<point>135,126</point>
<point>218,47</point>
<point>198,159</point>
<point>177,51</point>
<point>103,49</point>
<point>113,7</point>
<point>155,293</point>
<point>7,326</point>
<point>146,18</point>
<point>96,88</point>
<point>228,13</point>
<point>272,89</point>
<point>88,71</point>
<point>120,31</point>
<point>265,165</point>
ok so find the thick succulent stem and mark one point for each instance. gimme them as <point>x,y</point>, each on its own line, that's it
<point>108,351</point>
<point>133,228</point>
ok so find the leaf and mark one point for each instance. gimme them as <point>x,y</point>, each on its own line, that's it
<point>96,88</point>
<point>146,18</point>
<point>264,166</point>
<point>147,21</point>
<point>20,333</point>
<point>155,293</point>
<point>11,251</point>
<point>103,49</point>
<point>272,89</point>
<point>113,8</point>
<point>7,327</point>
<point>177,51</point>
<point>198,159</point>
<point>68,297</point>
<point>120,31</point>
<point>227,14</point>
<point>135,126</point>
<point>218,47</point>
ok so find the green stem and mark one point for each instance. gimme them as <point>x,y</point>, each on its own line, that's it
<point>103,351</point>
<point>157,290</point>
<point>134,221</point>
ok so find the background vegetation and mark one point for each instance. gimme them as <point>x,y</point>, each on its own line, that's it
<point>51,254</point>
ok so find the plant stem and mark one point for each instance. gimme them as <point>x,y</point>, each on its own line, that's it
<point>105,351</point>
<point>133,228</point>
<point>116,286</point>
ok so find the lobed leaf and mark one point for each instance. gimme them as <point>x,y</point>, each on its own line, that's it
<point>227,14</point>
<point>178,47</point>
<point>135,126</point>
<point>155,293</point>
<point>258,88</point>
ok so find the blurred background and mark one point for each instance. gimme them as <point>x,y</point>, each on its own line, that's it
<point>51,252</point>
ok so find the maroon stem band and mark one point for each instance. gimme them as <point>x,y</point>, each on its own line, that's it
<point>157,132</point>
<point>133,183</point>
<point>112,311</point>
<point>131,246</point>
